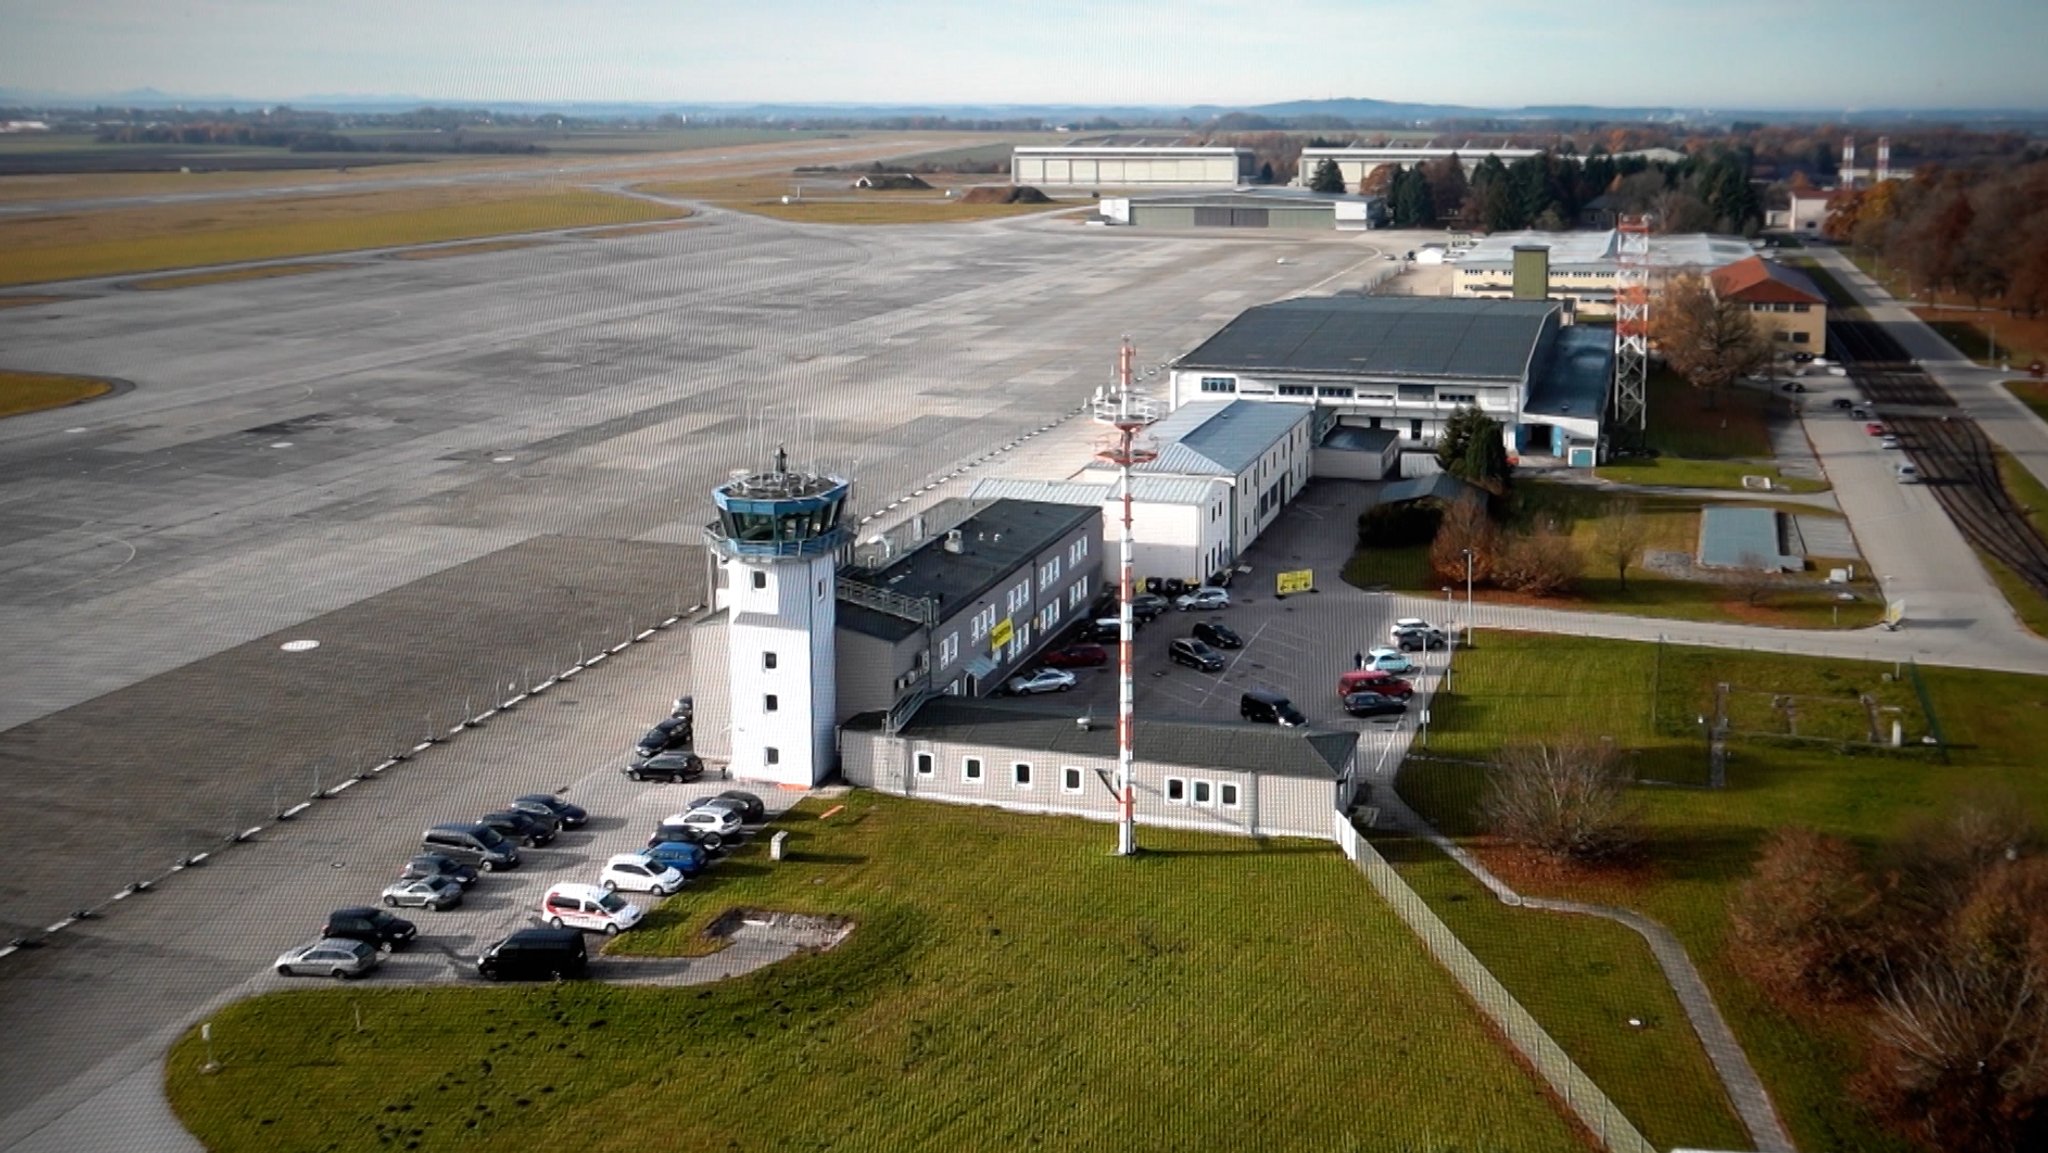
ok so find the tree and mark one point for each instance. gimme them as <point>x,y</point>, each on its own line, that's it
<point>1620,535</point>
<point>1470,448</point>
<point>1566,799</point>
<point>1266,173</point>
<point>1803,922</point>
<point>1710,342</point>
<point>1328,177</point>
<point>1465,535</point>
<point>1456,436</point>
<point>1542,562</point>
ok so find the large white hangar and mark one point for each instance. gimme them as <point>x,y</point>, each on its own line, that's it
<point>1406,363</point>
<point>1358,161</point>
<point>1131,166</point>
<point>1249,208</point>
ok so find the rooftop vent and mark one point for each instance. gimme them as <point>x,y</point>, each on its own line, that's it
<point>955,543</point>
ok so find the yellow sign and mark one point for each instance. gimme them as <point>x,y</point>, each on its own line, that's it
<point>1299,581</point>
<point>1001,634</point>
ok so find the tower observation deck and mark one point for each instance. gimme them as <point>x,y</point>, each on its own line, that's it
<point>766,515</point>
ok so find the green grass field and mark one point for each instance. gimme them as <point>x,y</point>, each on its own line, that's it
<point>22,392</point>
<point>1010,983</point>
<point>1705,440</point>
<point>1584,979</point>
<point>2030,606</point>
<point>1702,842</point>
<point>2032,393</point>
<point>187,236</point>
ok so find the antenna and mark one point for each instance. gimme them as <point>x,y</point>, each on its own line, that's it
<point>1632,322</point>
<point>1128,415</point>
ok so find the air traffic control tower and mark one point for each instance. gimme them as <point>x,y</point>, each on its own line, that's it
<point>777,539</point>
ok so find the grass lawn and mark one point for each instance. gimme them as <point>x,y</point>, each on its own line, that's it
<point>1673,525</point>
<point>1702,842</point>
<point>1010,983</point>
<point>1705,440</point>
<point>228,276</point>
<point>2032,498</point>
<point>2032,393</point>
<point>828,199</point>
<point>44,248</point>
<point>22,392</point>
<point>1678,472</point>
<point>1584,979</point>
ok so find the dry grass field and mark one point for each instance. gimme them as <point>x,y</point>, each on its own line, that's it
<point>829,198</point>
<point>22,392</point>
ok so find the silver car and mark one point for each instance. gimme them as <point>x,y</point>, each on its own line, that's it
<point>334,957</point>
<point>436,893</point>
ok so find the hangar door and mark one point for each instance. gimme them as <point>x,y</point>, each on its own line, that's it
<point>1231,217</point>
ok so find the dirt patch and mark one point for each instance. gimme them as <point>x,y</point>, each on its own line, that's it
<point>1020,194</point>
<point>1619,882</point>
<point>810,931</point>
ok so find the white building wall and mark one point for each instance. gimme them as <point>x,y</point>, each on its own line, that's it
<point>1369,399</point>
<point>793,617</point>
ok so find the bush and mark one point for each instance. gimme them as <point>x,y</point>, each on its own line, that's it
<point>1568,800</point>
<point>1541,563</point>
<point>1806,923</point>
<point>1465,526</point>
<point>1399,525</point>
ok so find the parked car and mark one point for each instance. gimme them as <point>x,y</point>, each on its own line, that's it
<point>1405,625</point>
<point>671,829</point>
<point>1146,606</point>
<point>1041,681</point>
<point>682,856</point>
<point>330,957</point>
<point>438,865</point>
<point>752,807</point>
<point>1269,708</point>
<point>1388,661</point>
<point>1195,655</point>
<point>673,767</point>
<point>720,804</point>
<point>717,821</point>
<point>1906,473</point>
<point>684,706</point>
<point>524,828</point>
<point>1374,705</point>
<point>1373,681</point>
<point>574,906</point>
<point>367,923</point>
<point>548,805</point>
<point>673,733</point>
<point>1105,630</point>
<point>1888,442</point>
<point>639,873</point>
<point>1219,635</point>
<point>1077,657</point>
<point>1204,599</point>
<point>435,893</point>
<point>1421,640</point>
<point>1843,402</point>
<point>535,954</point>
<point>479,845</point>
<point>1874,428</point>
<point>1802,357</point>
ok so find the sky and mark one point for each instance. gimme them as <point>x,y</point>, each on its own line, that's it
<point>1824,55</point>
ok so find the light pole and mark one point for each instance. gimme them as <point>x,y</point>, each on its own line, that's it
<point>1468,588</point>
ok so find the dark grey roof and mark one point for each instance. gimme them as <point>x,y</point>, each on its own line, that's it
<point>1423,337</point>
<point>1576,375</point>
<point>1263,196</point>
<point>1352,438</point>
<point>1029,726</point>
<point>1439,485</point>
<point>995,542</point>
<point>873,623</point>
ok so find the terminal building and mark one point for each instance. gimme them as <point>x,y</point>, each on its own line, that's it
<point>1404,364</point>
<point>1131,166</point>
<point>1583,265</point>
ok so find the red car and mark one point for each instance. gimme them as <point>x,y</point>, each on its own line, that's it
<point>1373,681</point>
<point>1874,429</point>
<point>1078,657</point>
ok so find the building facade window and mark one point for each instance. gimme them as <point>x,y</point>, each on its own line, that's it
<point>983,622</point>
<point>924,764</point>
<point>1078,593</point>
<point>1297,390</point>
<point>970,770</point>
<point>760,579</point>
<point>1176,791</point>
<point>1802,308</point>
<point>1219,384</point>
<point>949,649</point>
<point>1458,397</point>
<point>1048,573</point>
<point>1335,391</point>
<point>1076,552</point>
<point>767,660</point>
<point>771,755</point>
<point>1201,793</point>
<point>1801,338</point>
<point>769,703</point>
<point>1020,775</point>
<point>1227,793</point>
<point>1070,780</point>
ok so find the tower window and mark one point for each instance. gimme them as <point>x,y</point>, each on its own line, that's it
<point>768,703</point>
<point>760,579</point>
<point>767,660</point>
<point>772,755</point>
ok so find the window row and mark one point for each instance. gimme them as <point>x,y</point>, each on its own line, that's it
<point>1200,793</point>
<point>971,772</point>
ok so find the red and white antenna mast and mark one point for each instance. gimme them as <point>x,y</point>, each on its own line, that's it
<point>1128,414</point>
<point>1884,160</point>
<point>1632,322</point>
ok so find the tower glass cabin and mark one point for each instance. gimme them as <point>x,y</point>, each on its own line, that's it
<point>778,536</point>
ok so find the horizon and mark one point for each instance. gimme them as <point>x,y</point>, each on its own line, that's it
<point>1886,55</point>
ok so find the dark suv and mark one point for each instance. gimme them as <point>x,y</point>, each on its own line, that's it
<point>536,955</point>
<point>1195,655</point>
<point>372,926</point>
<point>1269,709</point>
<point>523,828</point>
<point>673,733</point>
<point>1219,635</point>
<point>548,805</point>
<point>680,767</point>
<point>1146,606</point>
<point>438,865</point>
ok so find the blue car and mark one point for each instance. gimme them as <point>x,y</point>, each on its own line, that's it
<point>683,857</point>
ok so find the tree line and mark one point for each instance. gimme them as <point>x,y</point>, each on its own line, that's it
<point>1979,231</point>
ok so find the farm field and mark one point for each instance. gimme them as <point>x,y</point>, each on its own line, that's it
<point>1017,999</point>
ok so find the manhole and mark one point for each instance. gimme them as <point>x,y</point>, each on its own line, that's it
<point>299,646</point>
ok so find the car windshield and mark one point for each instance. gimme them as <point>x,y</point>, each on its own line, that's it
<point>612,903</point>
<point>489,836</point>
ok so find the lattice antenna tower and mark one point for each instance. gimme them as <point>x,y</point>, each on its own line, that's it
<point>1632,322</point>
<point>1129,415</point>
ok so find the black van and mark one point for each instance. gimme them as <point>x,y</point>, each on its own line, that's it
<point>478,845</point>
<point>1269,709</point>
<point>536,955</point>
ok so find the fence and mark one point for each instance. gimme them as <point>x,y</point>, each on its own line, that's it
<point>1552,1063</point>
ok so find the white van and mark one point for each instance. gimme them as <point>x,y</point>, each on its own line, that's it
<point>572,906</point>
<point>1906,473</point>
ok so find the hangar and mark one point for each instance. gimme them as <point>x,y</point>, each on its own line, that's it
<point>1130,166</point>
<point>1357,162</point>
<point>1249,208</point>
